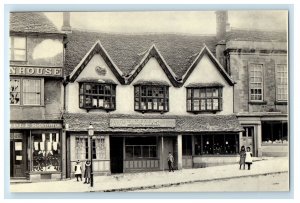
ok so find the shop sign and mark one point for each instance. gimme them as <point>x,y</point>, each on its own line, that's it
<point>142,123</point>
<point>35,71</point>
<point>35,125</point>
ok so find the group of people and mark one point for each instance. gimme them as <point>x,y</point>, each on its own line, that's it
<point>245,157</point>
<point>87,171</point>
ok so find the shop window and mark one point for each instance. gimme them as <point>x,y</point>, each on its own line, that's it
<point>153,98</point>
<point>25,91</point>
<point>144,147</point>
<point>275,132</point>
<point>256,82</point>
<point>216,144</point>
<point>17,48</point>
<point>281,82</point>
<point>204,99</point>
<point>82,148</point>
<point>46,152</point>
<point>97,96</point>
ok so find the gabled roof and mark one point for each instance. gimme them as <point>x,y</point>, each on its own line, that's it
<point>206,51</point>
<point>256,35</point>
<point>127,50</point>
<point>97,48</point>
<point>31,22</point>
<point>153,52</point>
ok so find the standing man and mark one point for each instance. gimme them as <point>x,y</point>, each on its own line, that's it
<point>170,162</point>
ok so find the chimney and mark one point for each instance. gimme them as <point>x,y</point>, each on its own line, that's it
<point>222,27</point>
<point>222,24</point>
<point>66,27</point>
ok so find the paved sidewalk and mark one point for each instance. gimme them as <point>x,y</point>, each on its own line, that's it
<point>138,181</point>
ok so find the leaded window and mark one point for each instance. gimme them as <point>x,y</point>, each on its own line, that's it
<point>97,96</point>
<point>153,98</point>
<point>256,82</point>
<point>281,82</point>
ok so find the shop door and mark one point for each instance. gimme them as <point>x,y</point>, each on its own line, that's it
<point>17,155</point>
<point>169,143</point>
<point>116,154</point>
<point>248,136</point>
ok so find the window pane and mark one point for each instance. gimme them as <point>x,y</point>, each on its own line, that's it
<point>15,91</point>
<point>19,42</point>
<point>218,144</point>
<point>189,105</point>
<point>46,153</point>
<point>145,150</point>
<point>129,152</point>
<point>208,145</point>
<point>19,55</point>
<point>196,105</point>
<point>137,151</point>
<point>152,151</point>
<point>196,93</point>
<point>189,93</point>
<point>31,92</point>
<point>231,144</point>
<point>208,104</point>
<point>215,104</point>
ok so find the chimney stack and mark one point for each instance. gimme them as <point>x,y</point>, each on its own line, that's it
<point>222,24</point>
<point>66,27</point>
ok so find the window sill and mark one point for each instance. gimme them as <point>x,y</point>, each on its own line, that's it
<point>140,159</point>
<point>217,155</point>
<point>88,109</point>
<point>206,111</point>
<point>274,144</point>
<point>151,111</point>
<point>257,102</point>
<point>281,103</point>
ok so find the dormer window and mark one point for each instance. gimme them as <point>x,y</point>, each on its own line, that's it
<point>151,96</point>
<point>97,95</point>
<point>204,97</point>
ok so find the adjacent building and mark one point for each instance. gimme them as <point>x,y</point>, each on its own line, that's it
<point>36,97</point>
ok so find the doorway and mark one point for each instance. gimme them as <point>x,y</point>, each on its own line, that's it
<point>248,138</point>
<point>17,155</point>
<point>116,154</point>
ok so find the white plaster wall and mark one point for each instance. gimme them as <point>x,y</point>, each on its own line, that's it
<point>204,72</point>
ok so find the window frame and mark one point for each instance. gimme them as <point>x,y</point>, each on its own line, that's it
<point>192,98</point>
<point>12,49</point>
<point>255,65</point>
<point>278,83</point>
<point>112,97</point>
<point>21,79</point>
<point>139,97</point>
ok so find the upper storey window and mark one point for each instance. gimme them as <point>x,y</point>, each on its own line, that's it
<point>204,98</point>
<point>256,82</point>
<point>281,82</point>
<point>97,95</point>
<point>17,48</point>
<point>151,97</point>
<point>25,91</point>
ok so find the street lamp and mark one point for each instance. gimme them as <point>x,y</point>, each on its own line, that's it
<point>91,134</point>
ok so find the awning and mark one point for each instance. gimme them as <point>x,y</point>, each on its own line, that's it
<point>198,85</point>
<point>152,123</point>
<point>150,83</point>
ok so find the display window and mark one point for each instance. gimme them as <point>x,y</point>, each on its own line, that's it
<point>137,148</point>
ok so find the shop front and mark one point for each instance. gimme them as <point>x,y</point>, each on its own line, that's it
<point>135,143</point>
<point>36,150</point>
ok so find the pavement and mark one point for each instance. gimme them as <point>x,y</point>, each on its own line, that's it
<point>150,180</point>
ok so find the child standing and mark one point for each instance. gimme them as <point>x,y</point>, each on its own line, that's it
<point>78,170</point>
<point>87,172</point>
<point>242,157</point>
<point>248,159</point>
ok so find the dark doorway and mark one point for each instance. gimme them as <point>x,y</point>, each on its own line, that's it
<point>116,154</point>
<point>17,155</point>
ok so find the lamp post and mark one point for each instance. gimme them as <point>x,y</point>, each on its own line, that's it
<point>91,134</point>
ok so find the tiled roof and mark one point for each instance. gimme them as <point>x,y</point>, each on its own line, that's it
<point>256,35</point>
<point>31,22</point>
<point>188,124</point>
<point>127,50</point>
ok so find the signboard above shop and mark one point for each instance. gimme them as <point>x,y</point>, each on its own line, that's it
<point>142,123</point>
<point>36,71</point>
<point>35,125</point>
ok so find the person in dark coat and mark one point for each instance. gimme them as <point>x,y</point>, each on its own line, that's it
<point>242,157</point>
<point>170,162</point>
<point>87,172</point>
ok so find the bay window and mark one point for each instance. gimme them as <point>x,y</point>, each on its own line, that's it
<point>151,98</point>
<point>97,96</point>
<point>204,99</point>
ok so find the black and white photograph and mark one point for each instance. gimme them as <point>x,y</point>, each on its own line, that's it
<point>149,101</point>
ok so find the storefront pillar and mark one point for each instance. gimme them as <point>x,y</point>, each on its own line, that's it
<point>179,152</point>
<point>162,163</point>
<point>259,150</point>
<point>107,150</point>
<point>63,155</point>
<point>240,140</point>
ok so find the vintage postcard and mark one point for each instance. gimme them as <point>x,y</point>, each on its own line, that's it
<point>161,101</point>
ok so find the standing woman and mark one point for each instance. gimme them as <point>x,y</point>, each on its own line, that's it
<point>87,172</point>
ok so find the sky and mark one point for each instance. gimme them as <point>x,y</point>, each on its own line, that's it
<point>186,22</point>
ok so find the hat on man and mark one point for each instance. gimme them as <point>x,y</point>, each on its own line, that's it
<point>77,161</point>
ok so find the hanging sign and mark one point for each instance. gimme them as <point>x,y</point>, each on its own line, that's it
<point>142,123</point>
<point>35,125</point>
